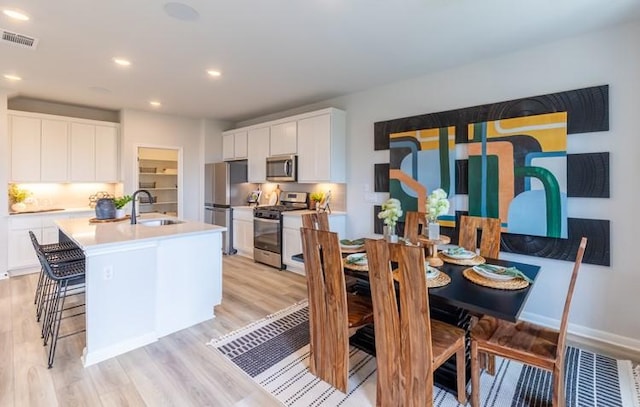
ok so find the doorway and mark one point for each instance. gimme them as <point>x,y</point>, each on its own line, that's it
<point>159,173</point>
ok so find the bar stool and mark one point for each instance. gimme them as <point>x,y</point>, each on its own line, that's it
<point>65,279</point>
<point>56,253</point>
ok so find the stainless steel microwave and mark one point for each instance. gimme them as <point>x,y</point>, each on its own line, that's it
<point>282,168</point>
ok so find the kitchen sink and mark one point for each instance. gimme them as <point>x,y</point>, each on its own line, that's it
<point>160,222</point>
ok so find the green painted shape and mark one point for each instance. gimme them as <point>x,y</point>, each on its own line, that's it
<point>478,131</point>
<point>408,203</point>
<point>443,147</point>
<point>491,208</point>
<point>552,196</point>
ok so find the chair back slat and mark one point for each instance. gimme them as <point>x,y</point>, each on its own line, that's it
<point>403,333</point>
<point>328,313</point>
<point>415,223</point>
<point>567,304</point>
<point>490,239</point>
<point>318,220</point>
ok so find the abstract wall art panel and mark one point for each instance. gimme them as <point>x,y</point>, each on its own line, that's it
<point>506,160</point>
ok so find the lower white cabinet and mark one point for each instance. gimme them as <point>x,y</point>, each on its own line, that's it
<point>243,231</point>
<point>292,242</point>
<point>21,253</point>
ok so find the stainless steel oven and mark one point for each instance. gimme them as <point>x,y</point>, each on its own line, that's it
<point>267,228</point>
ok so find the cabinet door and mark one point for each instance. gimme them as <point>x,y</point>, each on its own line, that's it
<point>50,235</point>
<point>314,149</point>
<point>240,145</point>
<point>55,151</point>
<point>284,138</point>
<point>83,152</point>
<point>106,164</point>
<point>228,147</point>
<point>243,237</point>
<point>21,251</point>
<point>291,244</point>
<point>25,148</point>
<point>258,146</point>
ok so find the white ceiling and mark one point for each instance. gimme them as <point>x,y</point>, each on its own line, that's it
<point>274,54</point>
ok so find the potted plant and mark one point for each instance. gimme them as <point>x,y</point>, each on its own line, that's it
<point>437,205</point>
<point>17,197</point>
<point>120,204</point>
<point>316,198</point>
<point>391,212</point>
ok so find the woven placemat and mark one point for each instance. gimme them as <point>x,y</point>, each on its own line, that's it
<point>355,267</point>
<point>463,262</point>
<point>440,281</point>
<point>96,220</point>
<point>351,251</point>
<point>515,284</point>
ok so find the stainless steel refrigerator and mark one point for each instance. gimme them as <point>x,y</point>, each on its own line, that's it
<point>225,186</point>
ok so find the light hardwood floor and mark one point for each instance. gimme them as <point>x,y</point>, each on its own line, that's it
<point>178,370</point>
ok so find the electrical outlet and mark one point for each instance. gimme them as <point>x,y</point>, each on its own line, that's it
<point>108,272</point>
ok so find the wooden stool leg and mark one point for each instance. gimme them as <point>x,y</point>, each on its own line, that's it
<point>490,361</point>
<point>475,376</point>
<point>460,375</point>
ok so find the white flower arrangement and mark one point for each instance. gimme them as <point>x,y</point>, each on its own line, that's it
<point>437,204</point>
<point>391,212</point>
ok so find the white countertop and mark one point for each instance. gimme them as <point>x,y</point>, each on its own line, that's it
<point>92,235</point>
<point>304,212</point>
<point>52,212</point>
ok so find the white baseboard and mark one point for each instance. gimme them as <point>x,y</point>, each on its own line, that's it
<point>618,346</point>
<point>108,352</point>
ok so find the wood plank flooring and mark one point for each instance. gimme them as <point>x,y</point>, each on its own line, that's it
<point>178,370</point>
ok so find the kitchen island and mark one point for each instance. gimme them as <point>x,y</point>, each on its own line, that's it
<point>145,281</point>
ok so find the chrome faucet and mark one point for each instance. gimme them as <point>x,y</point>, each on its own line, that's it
<point>133,204</point>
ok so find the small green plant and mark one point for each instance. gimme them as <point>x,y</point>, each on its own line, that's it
<point>17,194</point>
<point>122,201</point>
<point>317,196</point>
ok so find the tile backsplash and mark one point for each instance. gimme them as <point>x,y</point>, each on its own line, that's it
<point>338,192</point>
<point>67,196</point>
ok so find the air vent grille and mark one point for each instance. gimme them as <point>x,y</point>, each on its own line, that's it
<point>20,40</point>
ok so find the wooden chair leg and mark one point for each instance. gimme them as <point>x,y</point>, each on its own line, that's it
<point>558,387</point>
<point>490,361</point>
<point>475,376</point>
<point>460,373</point>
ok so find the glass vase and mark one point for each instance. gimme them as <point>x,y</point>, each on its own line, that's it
<point>390,234</point>
<point>433,230</point>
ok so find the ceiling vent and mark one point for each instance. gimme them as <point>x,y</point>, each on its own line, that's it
<point>18,40</point>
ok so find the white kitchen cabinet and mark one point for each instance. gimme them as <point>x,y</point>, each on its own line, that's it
<point>258,146</point>
<point>292,242</point>
<point>25,148</point>
<point>54,142</point>
<point>48,148</point>
<point>243,231</point>
<point>107,154</point>
<point>83,152</point>
<point>322,147</point>
<point>284,138</point>
<point>234,145</point>
<point>21,253</point>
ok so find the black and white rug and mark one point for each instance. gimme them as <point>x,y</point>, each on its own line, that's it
<point>275,353</point>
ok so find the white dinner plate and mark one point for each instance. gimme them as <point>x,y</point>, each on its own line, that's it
<point>465,255</point>
<point>359,259</point>
<point>491,275</point>
<point>432,272</point>
<point>351,246</point>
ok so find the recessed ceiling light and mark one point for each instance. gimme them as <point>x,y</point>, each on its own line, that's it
<point>155,103</point>
<point>12,77</point>
<point>122,61</point>
<point>16,15</point>
<point>181,11</point>
<point>213,72</point>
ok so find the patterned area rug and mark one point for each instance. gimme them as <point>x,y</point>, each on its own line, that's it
<point>275,353</point>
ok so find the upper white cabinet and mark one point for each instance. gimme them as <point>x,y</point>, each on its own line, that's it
<point>47,148</point>
<point>284,138</point>
<point>321,147</point>
<point>234,145</point>
<point>258,146</point>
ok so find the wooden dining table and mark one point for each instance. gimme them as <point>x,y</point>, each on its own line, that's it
<point>455,303</point>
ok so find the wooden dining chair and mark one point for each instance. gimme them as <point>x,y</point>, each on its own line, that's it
<point>409,345</point>
<point>490,238</point>
<point>414,224</point>
<point>525,342</point>
<point>317,220</point>
<point>332,311</point>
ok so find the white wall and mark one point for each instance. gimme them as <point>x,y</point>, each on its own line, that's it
<point>4,177</point>
<point>157,130</point>
<point>213,139</point>
<point>606,300</point>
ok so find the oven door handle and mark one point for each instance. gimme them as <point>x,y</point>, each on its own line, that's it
<point>267,220</point>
